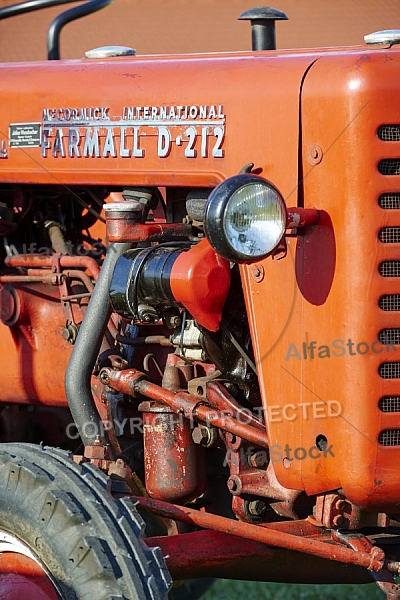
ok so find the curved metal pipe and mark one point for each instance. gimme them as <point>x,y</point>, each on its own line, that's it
<point>53,34</point>
<point>29,6</point>
<point>86,349</point>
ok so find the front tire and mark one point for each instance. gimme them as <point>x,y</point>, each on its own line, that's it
<point>89,542</point>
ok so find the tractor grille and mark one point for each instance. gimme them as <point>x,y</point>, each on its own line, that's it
<point>390,268</point>
<point>389,235</point>
<point>390,302</point>
<point>389,166</point>
<point>390,404</point>
<point>390,370</point>
<point>389,133</point>
<point>389,437</point>
<point>389,201</point>
<point>390,336</point>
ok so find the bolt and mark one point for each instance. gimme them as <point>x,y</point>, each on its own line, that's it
<point>8,305</point>
<point>258,459</point>
<point>394,567</point>
<point>234,485</point>
<point>69,333</point>
<point>257,272</point>
<point>257,508</point>
<point>118,362</point>
<point>175,321</point>
<point>104,377</point>
<point>200,435</point>
<point>340,505</point>
<point>314,154</point>
<point>338,520</point>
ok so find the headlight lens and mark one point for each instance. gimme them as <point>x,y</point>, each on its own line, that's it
<point>245,218</point>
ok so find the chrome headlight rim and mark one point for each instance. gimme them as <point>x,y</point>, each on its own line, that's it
<point>215,212</point>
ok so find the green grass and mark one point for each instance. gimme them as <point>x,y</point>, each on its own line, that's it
<point>248,590</point>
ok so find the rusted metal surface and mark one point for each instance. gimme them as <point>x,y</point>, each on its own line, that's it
<point>47,262</point>
<point>43,273</point>
<point>132,382</point>
<point>21,578</point>
<point>384,578</point>
<point>372,560</point>
<point>259,479</point>
<point>217,554</point>
<point>301,217</point>
<point>333,510</point>
<point>174,465</point>
<point>221,400</point>
<point>27,279</point>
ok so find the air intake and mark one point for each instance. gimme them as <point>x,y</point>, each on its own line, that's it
<point>389,133</point>
<point>390,302</point>
<point>389,166</point>
<point>390,336</point>
<point>389,235</point>
<point>390,370</point>
<point>390,404</point>
<point>390,268</point>
<point>389,201</point>
<point>389,437</point>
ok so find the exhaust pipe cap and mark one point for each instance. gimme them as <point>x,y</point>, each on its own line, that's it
<point>263,26</point>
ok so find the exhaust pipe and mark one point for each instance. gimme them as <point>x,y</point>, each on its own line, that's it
<point>263,26</point>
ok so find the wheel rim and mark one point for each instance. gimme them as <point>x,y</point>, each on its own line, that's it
<point>21,573</point>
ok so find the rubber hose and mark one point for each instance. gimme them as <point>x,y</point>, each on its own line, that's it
<point>85,352</point>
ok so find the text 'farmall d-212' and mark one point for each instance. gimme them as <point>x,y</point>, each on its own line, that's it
<point>201,259</point>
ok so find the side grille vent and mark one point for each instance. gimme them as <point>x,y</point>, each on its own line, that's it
<point>389,336</point>
<point>390,268</point>
<point>389,235</point>
<point>390,404</point>
<point>390,302</point>
<point>390,370</point>
<point>389,437</point>
<point>389,201</point>
<point>389,133</point>
<point>389,166</point>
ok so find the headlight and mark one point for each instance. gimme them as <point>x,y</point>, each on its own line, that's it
<point>245,218</point>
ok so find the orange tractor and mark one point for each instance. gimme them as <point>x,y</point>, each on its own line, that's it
<point>201,264</point>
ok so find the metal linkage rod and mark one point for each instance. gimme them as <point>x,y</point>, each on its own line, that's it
<point>373,560</point>
<point>134,382</point>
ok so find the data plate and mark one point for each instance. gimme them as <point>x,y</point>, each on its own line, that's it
<point>24,135</point>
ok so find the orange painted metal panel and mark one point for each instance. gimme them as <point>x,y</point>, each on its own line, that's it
<point>255,99</point>
<point>34,355</point>
<point>256,94</point>
<point>328,289</point>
